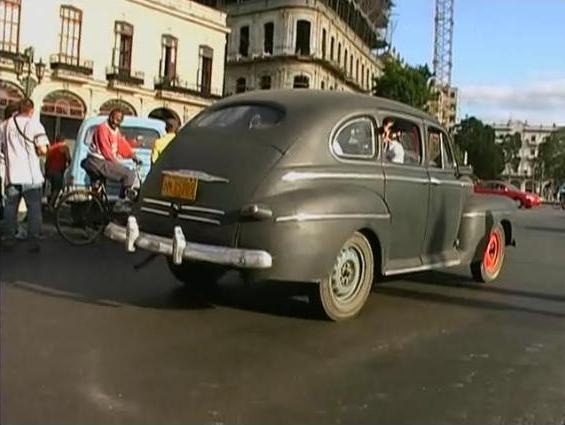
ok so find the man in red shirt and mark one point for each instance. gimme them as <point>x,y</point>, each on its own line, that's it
<point>58,159</point>
<point>108,144</point>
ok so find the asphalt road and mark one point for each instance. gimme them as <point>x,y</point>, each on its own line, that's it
<point>87,340</point>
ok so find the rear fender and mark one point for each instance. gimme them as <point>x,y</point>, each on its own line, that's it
<point>309,226</point>
<point>480,215</point>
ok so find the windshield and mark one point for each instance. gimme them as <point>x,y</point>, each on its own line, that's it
<point>239,117</point>
<point>140,137</point>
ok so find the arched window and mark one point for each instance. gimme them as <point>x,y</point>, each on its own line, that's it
<point>124,106</point>
<point>345,61</point>
<point>301,82</point>
<point>322,85</point>
<point>339,53</point>
<point>240,85</point>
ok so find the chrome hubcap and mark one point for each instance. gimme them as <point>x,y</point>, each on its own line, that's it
<point>347,274</point>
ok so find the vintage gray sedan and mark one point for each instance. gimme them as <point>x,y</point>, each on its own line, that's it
<point>314,186</point>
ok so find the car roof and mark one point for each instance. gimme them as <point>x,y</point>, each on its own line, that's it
<point>328,100</point>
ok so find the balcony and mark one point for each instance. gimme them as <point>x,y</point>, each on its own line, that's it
<point>164,85</point>
<point>8,58</point>
<point>60,62</point>
<point>119,76</point>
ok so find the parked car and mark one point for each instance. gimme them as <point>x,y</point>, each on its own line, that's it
<point>521,198</point>
<point>297,186</point>
<point>142,131</point>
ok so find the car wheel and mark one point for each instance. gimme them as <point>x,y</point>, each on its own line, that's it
<point>342,294</point>
<point>489,267</point>
<point>195,274</point>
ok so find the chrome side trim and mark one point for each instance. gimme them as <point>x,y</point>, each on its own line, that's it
<point>200,175</point>
<point>475,214</point>
<point>292,176</point>
<point>316,217</point>
<point>436,182</point>
<point>200,219</point>
<point>183,207</point>
<point>424,267</point>
<point>202,209</point>
<point>408,179</point>
<point>154,211</point>
<point>157,202</point>
<point>181,249</point>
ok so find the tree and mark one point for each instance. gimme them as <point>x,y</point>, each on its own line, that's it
<point>478,140</point>
<point>551,157</point>
<point>511,144</point>
<point>404,83</point>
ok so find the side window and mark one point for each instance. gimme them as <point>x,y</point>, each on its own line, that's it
<point>439,150</point>
<point>434,148</point>
<point>447,154</point>
<point>355,139</point>
<point>402,142</point>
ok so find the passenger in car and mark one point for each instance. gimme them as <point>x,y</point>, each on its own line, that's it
<point>394,151</point>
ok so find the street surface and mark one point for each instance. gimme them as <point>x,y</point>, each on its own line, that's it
<point>88,340</point>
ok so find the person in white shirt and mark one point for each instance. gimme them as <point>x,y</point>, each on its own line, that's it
<point>394,151</point>
<point>22,141</point>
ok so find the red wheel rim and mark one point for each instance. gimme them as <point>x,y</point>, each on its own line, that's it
<point>491,259</point>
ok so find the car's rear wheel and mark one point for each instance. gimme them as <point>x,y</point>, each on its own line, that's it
<point>342,294</point>
<point>489,267</point>
<point>196,274</point>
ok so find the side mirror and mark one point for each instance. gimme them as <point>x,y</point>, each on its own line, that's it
<point>465,170</point>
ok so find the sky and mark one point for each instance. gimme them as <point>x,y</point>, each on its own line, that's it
<point>508,55</point>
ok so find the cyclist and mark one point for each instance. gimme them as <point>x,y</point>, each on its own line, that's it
<point>108,144</point>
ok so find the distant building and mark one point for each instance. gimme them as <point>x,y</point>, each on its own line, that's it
<point>157,58</point>
<point>532,137</point>
<point>322,44</point>
<point>445,107</point>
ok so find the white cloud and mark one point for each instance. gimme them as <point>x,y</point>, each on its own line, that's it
<point>538,102</point>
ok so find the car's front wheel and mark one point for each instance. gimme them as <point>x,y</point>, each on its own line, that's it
<point>518,203</point>
<point>196,274</point>
<point>489,267</point>
<point>342,294</point>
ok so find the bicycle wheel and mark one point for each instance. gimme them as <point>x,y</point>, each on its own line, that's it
<point>80,217</point>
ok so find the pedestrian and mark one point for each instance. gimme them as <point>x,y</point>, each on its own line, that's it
<point>58,159</point>
<point>171,128</point>
<point>10,110</point>
<point>22,141</point>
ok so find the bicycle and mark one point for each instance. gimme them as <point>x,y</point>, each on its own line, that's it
<point>82,214</point>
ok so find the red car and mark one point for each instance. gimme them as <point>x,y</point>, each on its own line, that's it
<point>495,187</point>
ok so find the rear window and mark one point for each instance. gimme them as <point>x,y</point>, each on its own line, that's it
<point>138,136</point>
<point>239,117</point>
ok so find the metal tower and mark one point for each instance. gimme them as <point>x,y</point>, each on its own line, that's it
<point>443,42</point>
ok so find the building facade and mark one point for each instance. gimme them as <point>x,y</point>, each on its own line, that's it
<point>322,44</point>
<point>78,58</point>
<point>445,107</point>
<point>532,136</point>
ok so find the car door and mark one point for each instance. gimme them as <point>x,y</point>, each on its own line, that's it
<point>447,191</point>
<point>406,193</point>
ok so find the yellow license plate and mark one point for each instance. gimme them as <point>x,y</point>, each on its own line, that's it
<point>176,186</point>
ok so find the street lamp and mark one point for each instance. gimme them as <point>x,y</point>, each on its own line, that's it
<point>23,65</point>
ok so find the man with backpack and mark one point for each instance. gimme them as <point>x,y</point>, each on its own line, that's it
<point>22,140</point>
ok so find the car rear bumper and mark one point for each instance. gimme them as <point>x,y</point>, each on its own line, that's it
<point>180,249</point>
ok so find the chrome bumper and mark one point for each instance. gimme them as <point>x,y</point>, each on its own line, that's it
<point>179,249</point>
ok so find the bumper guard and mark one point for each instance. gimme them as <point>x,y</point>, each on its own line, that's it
<point>180,249</point>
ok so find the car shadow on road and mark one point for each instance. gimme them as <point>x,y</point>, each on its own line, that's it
<point>456,281</point>
<point>440,278</point>
<point>545,229</point>
<point>94,276</point>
